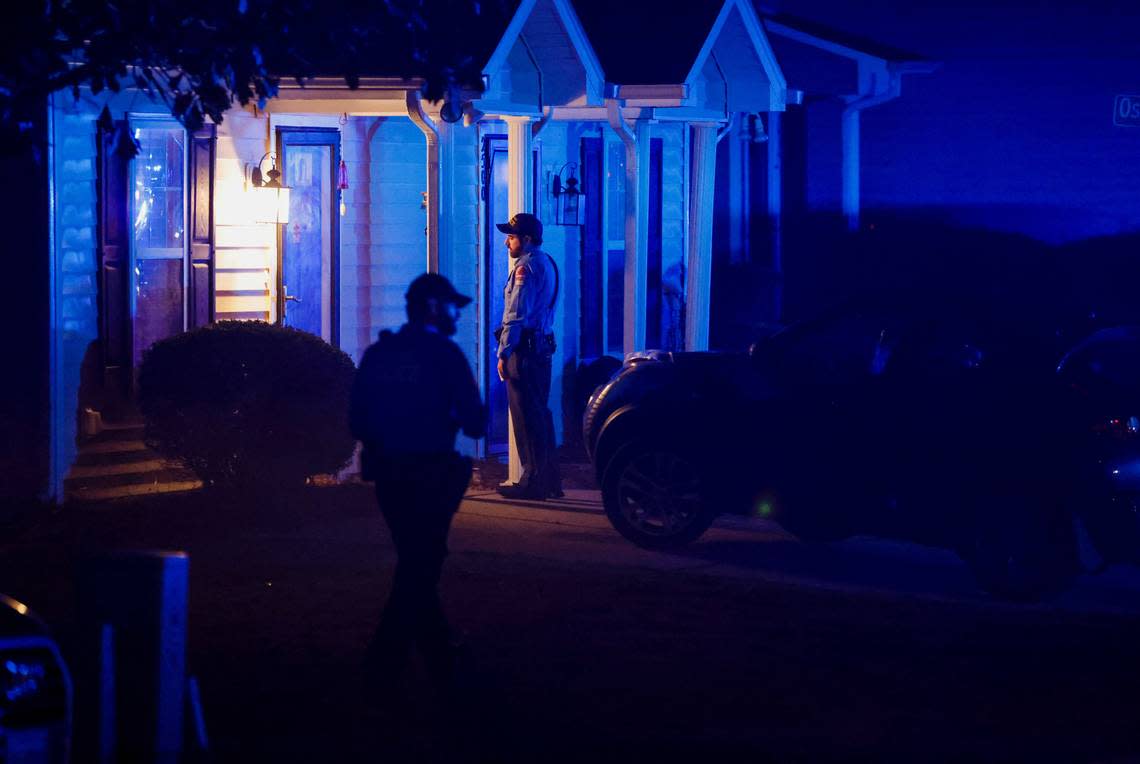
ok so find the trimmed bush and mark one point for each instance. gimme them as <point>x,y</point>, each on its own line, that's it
<point>248,404</point>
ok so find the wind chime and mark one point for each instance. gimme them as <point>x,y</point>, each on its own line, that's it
<point>342,186</point>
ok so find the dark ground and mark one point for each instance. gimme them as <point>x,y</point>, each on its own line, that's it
<point>587,649</point>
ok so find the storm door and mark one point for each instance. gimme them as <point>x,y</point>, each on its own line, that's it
<point>309,252</point>
<point>155,244</point>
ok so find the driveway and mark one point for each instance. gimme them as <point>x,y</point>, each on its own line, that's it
<point>746,646</point>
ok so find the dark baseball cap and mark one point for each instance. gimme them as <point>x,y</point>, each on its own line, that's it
<point>434,286</point>
<point>523,224</point>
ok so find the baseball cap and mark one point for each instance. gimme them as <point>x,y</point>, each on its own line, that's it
<point>434,286</point>
<point>523,224</point>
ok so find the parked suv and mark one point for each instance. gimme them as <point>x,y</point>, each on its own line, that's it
<point>35,690</point>
<point>901,422</point>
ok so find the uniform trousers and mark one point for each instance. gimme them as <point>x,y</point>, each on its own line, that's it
<point>528,393</point>
<point>418,496</point>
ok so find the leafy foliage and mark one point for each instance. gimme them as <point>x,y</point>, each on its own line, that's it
<point>247,404</point>
<point>202,57</point>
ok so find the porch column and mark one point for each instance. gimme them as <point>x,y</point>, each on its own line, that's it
<point>851,167</point>
<point>636,142</point>
<point>431,134</point>
<point>520,195</point>
<point>739,206</point>
<point>698,281</point>
<point>776,207</point>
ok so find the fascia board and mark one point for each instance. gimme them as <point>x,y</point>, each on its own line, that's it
<point>814,41</point>
<point>777,85</point>
<point>499,58</point>
<point>710,40</point>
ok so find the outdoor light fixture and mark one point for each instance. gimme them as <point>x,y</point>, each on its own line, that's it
<point>569,208</point>
<point>272,197</point>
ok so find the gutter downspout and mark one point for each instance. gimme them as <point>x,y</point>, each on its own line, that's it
<point>636,142</point>
<point>851,168</point>
<point>416,113</point>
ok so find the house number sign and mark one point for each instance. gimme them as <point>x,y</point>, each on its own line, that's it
<point>1127,111</point>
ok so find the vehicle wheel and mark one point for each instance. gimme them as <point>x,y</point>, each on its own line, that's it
<point>653,496</point>
<point>1022,550</point>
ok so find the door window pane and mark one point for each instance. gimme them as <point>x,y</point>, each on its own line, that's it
<point>159,234</point>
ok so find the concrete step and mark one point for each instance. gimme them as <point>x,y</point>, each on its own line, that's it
<point>116,463</point>
<point>133,489</point>
<point>119,431</point>
<point>112,447</point>
<point>94,459</point>
<point>112,483</point>
<point>83,471</point>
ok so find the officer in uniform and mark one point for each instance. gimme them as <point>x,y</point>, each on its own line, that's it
<point>526,346</point>
<point>413,392</point>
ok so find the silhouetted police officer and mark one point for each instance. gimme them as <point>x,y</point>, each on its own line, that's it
<point>413,392</point>
<point>526,346</point>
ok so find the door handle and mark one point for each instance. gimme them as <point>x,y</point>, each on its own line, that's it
<point>291,297</point>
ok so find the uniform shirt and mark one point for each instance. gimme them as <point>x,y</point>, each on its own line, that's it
<point>413,392</point>
<point>527,299</point>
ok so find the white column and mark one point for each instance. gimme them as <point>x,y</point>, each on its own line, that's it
<point>698,282</point>
<point>520,193</point>
<point>636,238</point>
<point>737,191</point>
<point>520,196</point>
<point>776,208</point>
<point>636,142</point>
<point>851,167</point>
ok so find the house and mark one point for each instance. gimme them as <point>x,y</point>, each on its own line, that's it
<point>613,100</point>
<point>1020,130</point>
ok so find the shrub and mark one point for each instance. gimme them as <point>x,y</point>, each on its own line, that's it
<point>248,404</point>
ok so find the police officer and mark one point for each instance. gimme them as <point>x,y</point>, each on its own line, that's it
<point>526,346</point>
<point>413,392</point>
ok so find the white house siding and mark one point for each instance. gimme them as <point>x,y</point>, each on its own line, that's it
<point>245,253</point>
<point>396,229</point>
<point>460,218</point>
<point>356,256</point>
<point>76,264</point>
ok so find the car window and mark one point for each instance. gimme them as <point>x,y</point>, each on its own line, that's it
<point>837,352</point>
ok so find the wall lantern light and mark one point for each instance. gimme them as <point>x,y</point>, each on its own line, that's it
<point>569,201</point>
<point>272,198</point>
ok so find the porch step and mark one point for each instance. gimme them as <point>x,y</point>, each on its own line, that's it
<point>81,472</point>
<point>116,463</point>
<point>120,431</point>
<point>86,493</point>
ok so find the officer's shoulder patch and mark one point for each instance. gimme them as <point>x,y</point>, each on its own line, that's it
<point>520,274</point>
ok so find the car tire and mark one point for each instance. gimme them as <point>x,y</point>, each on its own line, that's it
<point>654,496</point>
<point>1022,550</point>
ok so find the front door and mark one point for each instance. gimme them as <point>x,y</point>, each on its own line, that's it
<point>308,268</point>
